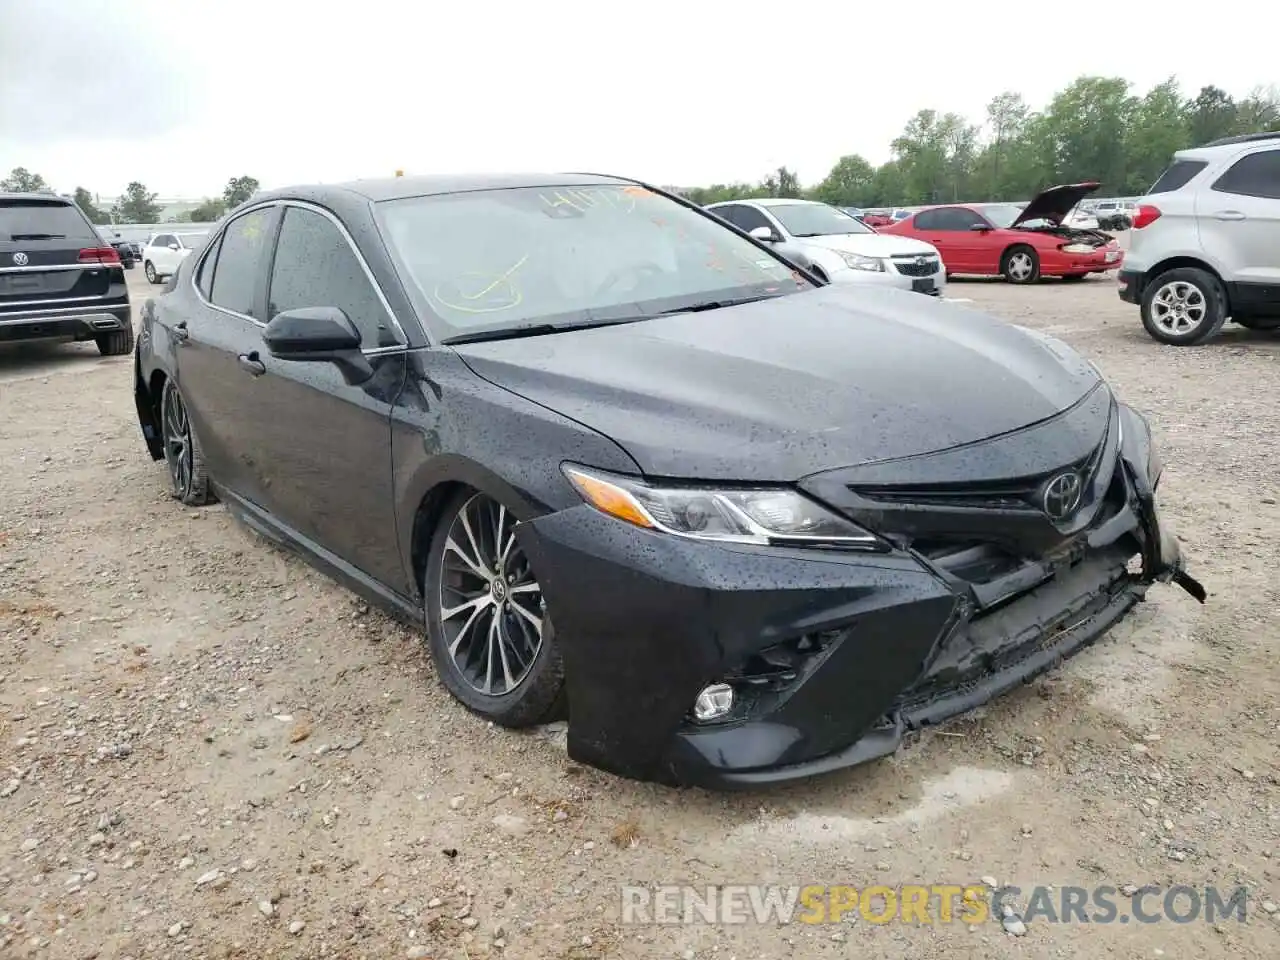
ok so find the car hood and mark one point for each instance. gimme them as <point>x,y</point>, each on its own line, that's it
<point>869,244</point>
<point>783,388</point>
<point>1055,203</point>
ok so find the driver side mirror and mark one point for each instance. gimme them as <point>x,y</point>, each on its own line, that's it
<point>318,334</point>
<point>173,246</point>
<point>764,234</point>
<point>981,228</point>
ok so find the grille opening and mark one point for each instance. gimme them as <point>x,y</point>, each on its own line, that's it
<point>972,560</point>
<point>779,666</point>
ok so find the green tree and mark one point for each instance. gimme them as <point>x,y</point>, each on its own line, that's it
<point>237,191</point>
<point>849,184</point>
<point>1161,125</point>
<point>22,180</point>
<point>136,205</point>
<point>1095,128</point>
<point>208,211</point>
<point>85,201</point>
<point>1212,114</point>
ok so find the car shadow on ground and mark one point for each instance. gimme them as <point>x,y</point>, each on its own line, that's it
<point>25,361</point>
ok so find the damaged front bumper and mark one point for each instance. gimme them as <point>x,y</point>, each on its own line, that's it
<point>833,656</point>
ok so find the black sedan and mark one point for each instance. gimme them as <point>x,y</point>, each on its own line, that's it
<point>619,461</point>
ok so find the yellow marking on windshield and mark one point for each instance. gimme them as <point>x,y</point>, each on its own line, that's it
<point>511,297</point>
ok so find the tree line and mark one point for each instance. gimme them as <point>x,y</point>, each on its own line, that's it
<point>1096,128</point>
<point>136,204</point>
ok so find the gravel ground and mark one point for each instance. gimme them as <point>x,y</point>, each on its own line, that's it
<point>208,750</point>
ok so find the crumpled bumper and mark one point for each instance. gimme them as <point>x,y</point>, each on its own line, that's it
<point>833,656</point>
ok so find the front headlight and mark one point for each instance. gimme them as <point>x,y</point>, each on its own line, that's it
<point>856,261</point>
<point>760,516</point>
<point>1077,248</point>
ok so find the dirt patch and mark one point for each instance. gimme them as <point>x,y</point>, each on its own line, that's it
<point>210,750</point>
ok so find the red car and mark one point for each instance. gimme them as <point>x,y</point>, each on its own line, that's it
<point>1021,243</point>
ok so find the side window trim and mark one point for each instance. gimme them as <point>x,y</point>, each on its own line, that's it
<point>1218,187</point>
<point>364,266</point>
<point>215,246</point>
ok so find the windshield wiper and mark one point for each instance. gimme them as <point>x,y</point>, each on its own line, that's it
<point>715,304</point>
<point>532,330</point>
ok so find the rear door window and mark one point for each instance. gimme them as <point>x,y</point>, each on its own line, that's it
<point>240,258</point>
<point>1257,175</point>
<point>30,219</point>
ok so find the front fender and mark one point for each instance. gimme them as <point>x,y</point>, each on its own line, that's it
<point>1162,558</point>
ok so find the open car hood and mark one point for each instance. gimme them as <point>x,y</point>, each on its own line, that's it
<point>1055,203</point>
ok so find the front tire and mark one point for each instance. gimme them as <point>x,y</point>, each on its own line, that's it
<point>150,270</point>
<point>1020,264</point>
<point>117,343</point>
<point>1184,307</point>
<point>182,454</point>
<point>487,626</point>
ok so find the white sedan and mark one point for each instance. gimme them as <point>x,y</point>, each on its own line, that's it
<point>838,247</point>
<point>165,251</point>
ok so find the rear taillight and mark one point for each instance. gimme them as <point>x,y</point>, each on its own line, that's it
<point>1145,216</point>
<point>106,255</point>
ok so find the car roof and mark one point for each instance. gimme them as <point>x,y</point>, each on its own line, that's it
<point>784,201</point>
<point>399,188</point>
<point>45,197</point>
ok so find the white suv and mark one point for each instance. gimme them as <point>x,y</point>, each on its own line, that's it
<point>165,251</point>
<point>1205,244</point>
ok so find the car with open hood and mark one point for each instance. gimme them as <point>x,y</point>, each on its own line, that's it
<point>616,460</point>
<point>835,245</point>
<point>1021,243</point>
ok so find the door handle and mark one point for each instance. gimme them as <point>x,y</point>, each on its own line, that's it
<point>250,363</point>
<point>179,331</point>
<point>1229,215</point>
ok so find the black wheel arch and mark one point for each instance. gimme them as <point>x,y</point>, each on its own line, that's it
<point>1176,263</point>
<point>146,399</point>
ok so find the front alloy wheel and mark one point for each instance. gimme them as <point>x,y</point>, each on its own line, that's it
<point>487,623</point>
<point>150,270</point>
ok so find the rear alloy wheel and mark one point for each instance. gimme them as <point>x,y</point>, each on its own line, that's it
<point>1183,307</point>
<point>487,625</point>
<point>1020,264</point>
<point>150,270</point>
<point>182,454</point>
<point>116,344</point>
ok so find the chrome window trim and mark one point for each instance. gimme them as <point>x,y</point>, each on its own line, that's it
<point>346,235</point>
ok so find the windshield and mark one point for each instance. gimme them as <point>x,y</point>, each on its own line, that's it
<point>815,220</point>
<point>493,260</point>
<point>1000,214</point>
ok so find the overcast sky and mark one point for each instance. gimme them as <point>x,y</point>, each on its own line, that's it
<point>183,94</point>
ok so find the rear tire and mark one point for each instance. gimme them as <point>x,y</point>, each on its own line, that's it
<point>1184,307</point>
<point>182,453</point>
<point>116,344</point>
<point>1020,264</point>
<point>493,646</point>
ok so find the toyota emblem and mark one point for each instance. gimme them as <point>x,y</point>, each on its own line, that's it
<point>921,261</point>
<point>1062,495</point>
<point>21,259</point>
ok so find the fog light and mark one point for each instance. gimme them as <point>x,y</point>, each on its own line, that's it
<point>713,702</point>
